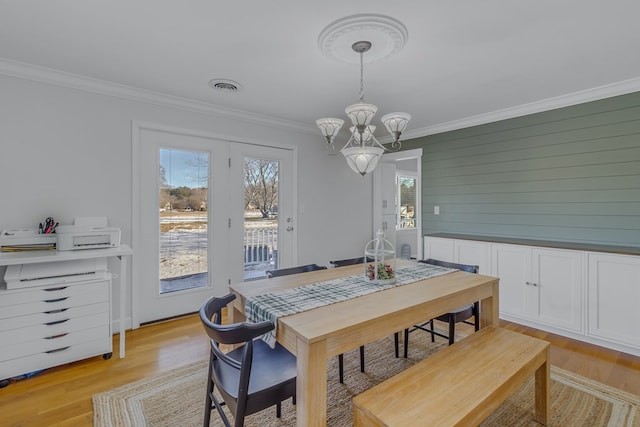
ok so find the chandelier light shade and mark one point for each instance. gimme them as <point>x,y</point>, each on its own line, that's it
<point>361,113</point>
<point>362,159</point>
<point>329,128</point>
<point>396,123</point>
<point>363,151</point>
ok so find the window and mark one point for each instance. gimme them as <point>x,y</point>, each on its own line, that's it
<point>405,201</point>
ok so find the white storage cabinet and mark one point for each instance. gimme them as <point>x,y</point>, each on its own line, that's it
<point>439,248</point>
<point>584,294</point>
<point>459,251</point>
<point>542,285</point>
<point>614,298</point>
<point>49,325</point>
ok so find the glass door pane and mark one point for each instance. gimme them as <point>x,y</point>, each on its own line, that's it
<point>261,203</point>
<point>262,222</point>
<point>183,195</point>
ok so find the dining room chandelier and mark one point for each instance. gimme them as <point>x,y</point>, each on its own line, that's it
<point>362,151</point>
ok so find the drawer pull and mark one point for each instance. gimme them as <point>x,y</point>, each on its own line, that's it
<point>57,322</point>
<point>57,350</point>
<point>61,288</point>
<point>53,337</point>
<point>56,300</point>
<point>60,310</point>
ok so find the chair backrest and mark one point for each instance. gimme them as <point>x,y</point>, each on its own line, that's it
<point>294,270</point>
<point>236,333</point>
<point>463,267</point>
<point>350,261</point>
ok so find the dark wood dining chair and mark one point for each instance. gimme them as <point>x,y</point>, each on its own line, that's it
<point>462,314</point>
<point>295,270</point>
<point>344,263</point>
<point>249,378</point>
<point>350,261</point>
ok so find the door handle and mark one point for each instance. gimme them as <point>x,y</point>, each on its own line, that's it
<point>289,228</point>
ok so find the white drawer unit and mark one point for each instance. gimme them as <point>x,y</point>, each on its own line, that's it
<point>49,325</point>
<point>56,307</point>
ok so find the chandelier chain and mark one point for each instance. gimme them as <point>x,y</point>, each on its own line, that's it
<point>361,77</point>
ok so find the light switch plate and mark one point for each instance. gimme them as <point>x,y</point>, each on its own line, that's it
<point>436,210</point>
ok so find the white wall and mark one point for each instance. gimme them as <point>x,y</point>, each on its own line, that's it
<point>67,153</point>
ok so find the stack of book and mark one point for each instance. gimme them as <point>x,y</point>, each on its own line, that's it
<point>26,240</point>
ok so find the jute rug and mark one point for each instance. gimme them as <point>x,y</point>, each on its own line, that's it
<point>177,397</point>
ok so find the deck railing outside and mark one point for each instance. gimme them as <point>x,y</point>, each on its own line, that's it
<point>260,251</point>
<point>260,245</point>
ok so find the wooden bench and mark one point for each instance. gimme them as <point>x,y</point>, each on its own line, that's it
<point>460,385</point>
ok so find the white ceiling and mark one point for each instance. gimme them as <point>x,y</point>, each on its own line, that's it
<point>464,62</point>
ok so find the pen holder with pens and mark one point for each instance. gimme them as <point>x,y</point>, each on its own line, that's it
<point>48,226</point>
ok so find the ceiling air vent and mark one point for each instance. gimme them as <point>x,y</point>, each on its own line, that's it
<point>224,85</point>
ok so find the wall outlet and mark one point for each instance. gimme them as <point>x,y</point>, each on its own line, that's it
<point>436,210</point>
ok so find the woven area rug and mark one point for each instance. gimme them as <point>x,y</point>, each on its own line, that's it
<point>177,397</point>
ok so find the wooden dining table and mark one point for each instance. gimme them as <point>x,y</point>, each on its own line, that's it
<point>318,334</point>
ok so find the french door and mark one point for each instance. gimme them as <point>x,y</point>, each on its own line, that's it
<point>262,210</point>
<point>196,228</point>
<point>183,179</point>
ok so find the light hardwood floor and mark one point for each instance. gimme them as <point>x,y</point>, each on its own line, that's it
<point>61,396</point>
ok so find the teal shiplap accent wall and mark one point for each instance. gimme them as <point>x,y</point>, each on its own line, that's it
<point>571,174</point>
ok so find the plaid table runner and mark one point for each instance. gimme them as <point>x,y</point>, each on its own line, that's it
<point>272,305</point>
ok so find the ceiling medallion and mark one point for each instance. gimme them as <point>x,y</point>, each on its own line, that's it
<point>387,36</point>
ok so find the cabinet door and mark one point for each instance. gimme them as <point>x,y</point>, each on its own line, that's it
<point>473,253</point>
<point>512,264</point>
<point>614,298</point>
<point>384,208</point>
<point>438,248</point>
<point>557,278</point>
<point>389,228</point>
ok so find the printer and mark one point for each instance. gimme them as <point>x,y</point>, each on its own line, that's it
<point>74,237</point>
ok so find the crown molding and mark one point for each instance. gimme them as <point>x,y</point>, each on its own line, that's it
<point>88,84</point>
<point>606,91</point>
<point>74,81</point>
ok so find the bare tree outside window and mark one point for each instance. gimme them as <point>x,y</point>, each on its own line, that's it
<point>261,186</point>
<point>261,182</point>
